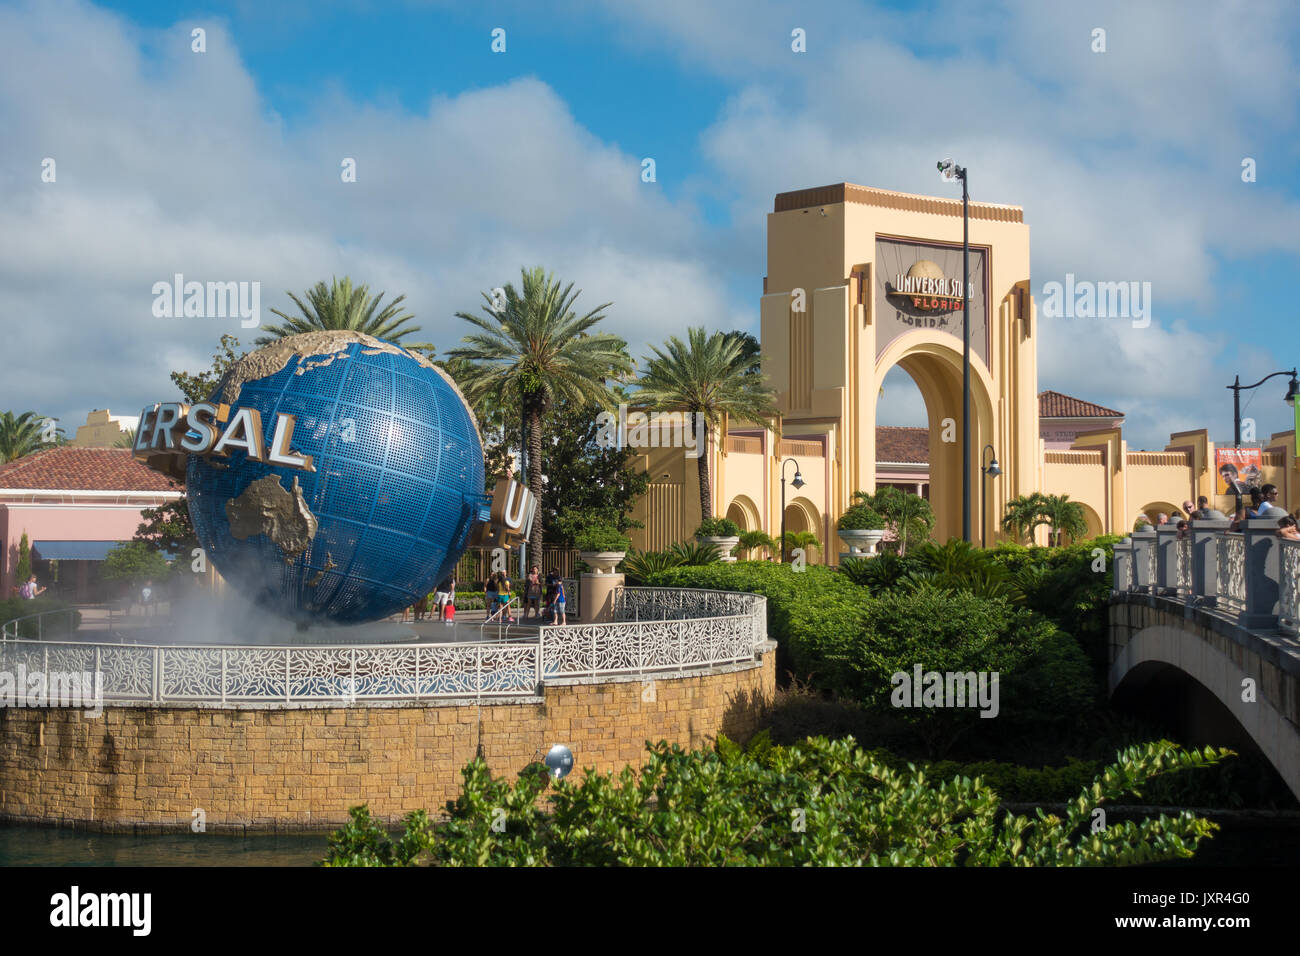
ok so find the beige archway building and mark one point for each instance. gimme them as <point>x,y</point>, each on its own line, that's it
<point>861,280</point>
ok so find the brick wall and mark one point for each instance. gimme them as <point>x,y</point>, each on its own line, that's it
<point>272,767</point>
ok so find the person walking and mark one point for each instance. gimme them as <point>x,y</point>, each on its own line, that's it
<point>31,590</point>
<point>504,596</point>
<point>560,602</point>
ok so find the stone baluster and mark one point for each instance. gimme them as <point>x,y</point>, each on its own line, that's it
<point>1143,542</point>
<point>1166,581</point>
<point>1205,559</point>
<point>1263,569</point>
<point>1123,566</point>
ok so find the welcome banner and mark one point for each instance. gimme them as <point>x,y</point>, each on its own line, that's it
<point>1239,469</point>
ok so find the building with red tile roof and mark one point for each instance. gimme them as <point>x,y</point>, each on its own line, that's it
<point>74,504</point>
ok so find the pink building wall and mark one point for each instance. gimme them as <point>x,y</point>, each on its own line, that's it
<point>57,522</point>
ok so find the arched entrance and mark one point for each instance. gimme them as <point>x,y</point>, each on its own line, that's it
<point>933,360</point>
<point>744,512</point>
<point>801,515</point>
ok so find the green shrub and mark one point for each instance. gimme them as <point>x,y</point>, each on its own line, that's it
<point>639,566</point>
<point>717,528</point>
<point>861,517</point>
<point>695,553</point>
<point>731,807</point>
<point>601,538</point>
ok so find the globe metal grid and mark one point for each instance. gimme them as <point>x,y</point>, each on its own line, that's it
<point>396,493</point>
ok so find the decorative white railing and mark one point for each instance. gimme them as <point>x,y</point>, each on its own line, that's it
<point>343,674</point>
<point>1230,554</point>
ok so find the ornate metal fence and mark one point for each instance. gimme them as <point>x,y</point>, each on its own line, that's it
<point>705,628</point>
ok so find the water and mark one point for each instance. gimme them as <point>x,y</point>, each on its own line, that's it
<point>22,845</point>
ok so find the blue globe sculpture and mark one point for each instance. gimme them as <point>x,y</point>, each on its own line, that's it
<point>396,492</point>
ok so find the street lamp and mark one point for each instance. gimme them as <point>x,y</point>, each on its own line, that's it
<point>952,171</point>
<point>991,470</point>
<point>1293,389</point>
<point>798,483</point>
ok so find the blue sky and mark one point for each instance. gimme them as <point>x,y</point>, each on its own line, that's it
<point>471,164</point>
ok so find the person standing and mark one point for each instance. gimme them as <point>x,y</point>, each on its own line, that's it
<point>443,595</point>
<point>533,593</point>
<point>552,579</point>
<point>1268,507</point>
<point>560,617</point>
<point>490,592</point>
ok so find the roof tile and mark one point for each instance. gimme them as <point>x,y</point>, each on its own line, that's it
<point>69,468</point>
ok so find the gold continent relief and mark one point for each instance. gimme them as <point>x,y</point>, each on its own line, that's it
<point>266,507</point>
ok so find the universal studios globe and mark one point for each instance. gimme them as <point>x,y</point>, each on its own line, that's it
<point>392,495</point>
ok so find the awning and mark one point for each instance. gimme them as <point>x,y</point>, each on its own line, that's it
<point>73,550</point>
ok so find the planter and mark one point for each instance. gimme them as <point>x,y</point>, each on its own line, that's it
<point>724,545</point>
<point>862,543</point>
<point>602,562</point>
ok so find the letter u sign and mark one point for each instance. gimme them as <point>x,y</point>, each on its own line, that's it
<point>519,510</point>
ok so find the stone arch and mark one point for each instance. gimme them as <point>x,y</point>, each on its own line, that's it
<point>744,512</point>
<point>933,360</point>
<point>1158,647</point>
<point>802,515</point>
<point>1156,507</point>
<point>1093,521</point>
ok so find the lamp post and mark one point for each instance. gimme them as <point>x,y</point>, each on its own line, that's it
<point>990,471</point>
<point>1293,389</point>
<point>951,170</point>
<point>798,483</point>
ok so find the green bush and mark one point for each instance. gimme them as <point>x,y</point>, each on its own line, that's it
<point>639,566</point>
<point>817,803</point>
<point>861,517</point>
<point>132,563</point>
<point>717,528</point>
<point>601,538</point>
<point>695,553</point>
<point>842,641</point>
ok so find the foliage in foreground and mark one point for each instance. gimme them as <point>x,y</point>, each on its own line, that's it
<point>818,803</point>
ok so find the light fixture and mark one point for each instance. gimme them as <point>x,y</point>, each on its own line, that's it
<point>798,480</point>
<point>559,761</point>
<point>1292,390</point>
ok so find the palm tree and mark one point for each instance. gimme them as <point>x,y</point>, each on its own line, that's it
<point>340,305</point>
<point>533,348</point>
<point>126,439</point>
<point>751,541</point>
<point>1024,514</point>
<point>1062,515</point>
<point>21,435</point>
<point>801,539</point>
<point>705,376</point>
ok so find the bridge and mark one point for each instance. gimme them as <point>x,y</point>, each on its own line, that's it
<point>1209,620</point>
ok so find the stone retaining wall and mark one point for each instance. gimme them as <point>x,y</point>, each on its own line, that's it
<point>279,767</point>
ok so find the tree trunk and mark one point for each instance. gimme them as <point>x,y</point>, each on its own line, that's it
<point>534,478</point>
<point>706,487</point>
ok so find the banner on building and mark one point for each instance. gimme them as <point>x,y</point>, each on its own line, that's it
<point>1239,469</point>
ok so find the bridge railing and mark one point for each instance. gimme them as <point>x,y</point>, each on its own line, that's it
<point>1251,575</point>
